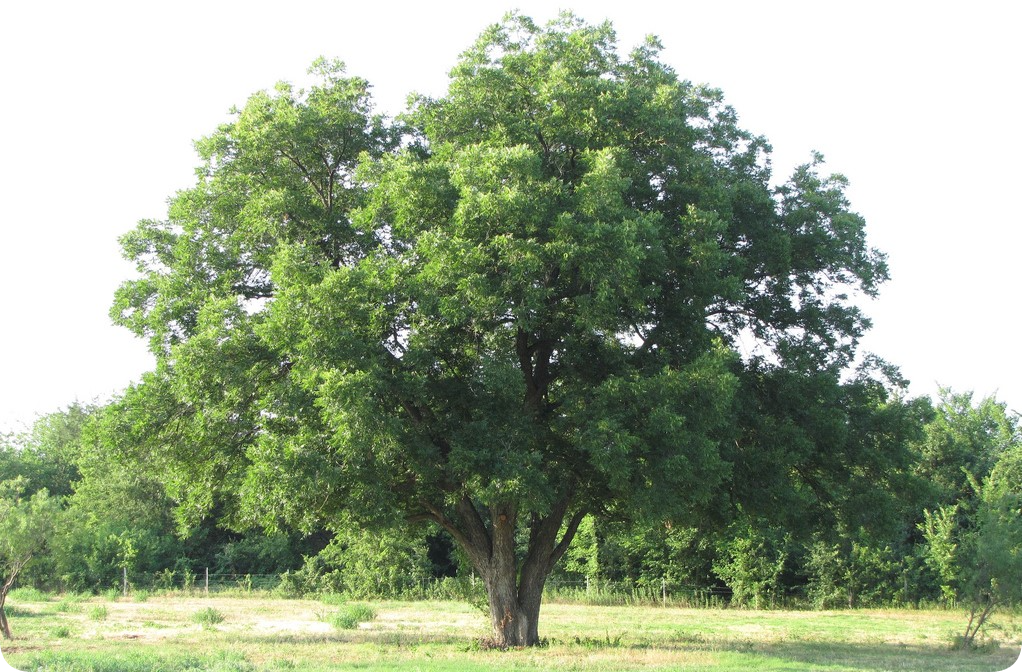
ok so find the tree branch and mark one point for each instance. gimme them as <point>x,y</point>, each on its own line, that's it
<point>569,534</point>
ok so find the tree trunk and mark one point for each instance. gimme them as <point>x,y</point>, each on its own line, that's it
<point>5,627</point>
<point>514,585</point>
<point>514,604</point>
<point>15,569</point>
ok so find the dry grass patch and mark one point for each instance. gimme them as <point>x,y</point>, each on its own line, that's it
<point>272,635</point>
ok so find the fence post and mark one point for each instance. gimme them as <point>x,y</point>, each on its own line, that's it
<point>207,581</point>
<point>663,589</point>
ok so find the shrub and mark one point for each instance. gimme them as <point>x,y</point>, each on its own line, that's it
<point>60,632</point>
<point>69,605</point>
<point>349,616</point>
<point>751,563</point>
<point>208,617</point>
<point>98,613</point>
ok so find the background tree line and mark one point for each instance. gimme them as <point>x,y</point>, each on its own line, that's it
<point>939,525</point>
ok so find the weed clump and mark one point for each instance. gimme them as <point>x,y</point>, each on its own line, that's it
<point>349,616</point>
<point>208,617</point>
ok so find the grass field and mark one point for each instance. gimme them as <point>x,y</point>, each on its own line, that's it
<point>175,633</point>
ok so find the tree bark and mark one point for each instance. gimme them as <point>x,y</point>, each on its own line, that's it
<point>5,627</point>
<point>15,569</point>
<point>514,585</point>
<point>514,608</point>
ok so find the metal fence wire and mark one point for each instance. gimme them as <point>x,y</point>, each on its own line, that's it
<point>464,587</point>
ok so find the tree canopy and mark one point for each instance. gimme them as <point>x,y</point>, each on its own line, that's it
<point>566,287</point>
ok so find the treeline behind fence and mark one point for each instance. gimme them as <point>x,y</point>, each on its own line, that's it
<point>469,588</point>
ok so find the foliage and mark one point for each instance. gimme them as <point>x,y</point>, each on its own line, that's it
<point>978,555</point>
<point>940,530</point>
<point>751,563</point>
<point>259,553</point>
<point>857,573</point>
<point>994,553</point>
<point>117,518</point>
<point>963,439</point>
<point>533,310</point>
<point>363,563</point>
<point>47,455</point>
<point>26,527</point>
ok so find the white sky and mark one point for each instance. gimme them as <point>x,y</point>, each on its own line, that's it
<point>917,103</point>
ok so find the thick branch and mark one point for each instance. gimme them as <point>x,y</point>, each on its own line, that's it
<point>525,362</point>
<point>436,515</point>
<point>569,535</point>
<point>477,536</point>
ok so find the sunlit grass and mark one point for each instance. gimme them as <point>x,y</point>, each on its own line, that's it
<point>256,634</point>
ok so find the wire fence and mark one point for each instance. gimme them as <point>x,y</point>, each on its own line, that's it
<point>469,588</point>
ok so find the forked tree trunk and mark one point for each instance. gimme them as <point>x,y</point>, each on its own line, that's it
<point>514,584</point>
<point>5,588</point>
<point>514,600</point>
<point>977,618</point>
<point>5,627</point>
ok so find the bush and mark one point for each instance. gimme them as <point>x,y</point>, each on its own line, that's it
<point>295,585</point>
<point>349,616</point>
<point>208,617</point>
<point>362,564</point>
<point>98,613</point>
<point>751,563</point>
<point>852,575</point>
<point>69,605</point>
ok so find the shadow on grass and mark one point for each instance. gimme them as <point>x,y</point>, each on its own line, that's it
<point>462,652</point>
<point>799,654</point>
<point>14,611</point>
<point>806,654</point>
<point>136,661</point>
<point>911,658</point>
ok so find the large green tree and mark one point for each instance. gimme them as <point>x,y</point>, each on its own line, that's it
<point>542,305</point>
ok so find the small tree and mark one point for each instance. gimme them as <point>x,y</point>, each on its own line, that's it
<point>25,527</point>
<point>751,563</point>
<point>978,557</point>
<point>859,571</point>
<point>994,547</point>
<point>941,550</point>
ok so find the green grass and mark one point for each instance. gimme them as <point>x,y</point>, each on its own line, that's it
<point>27,594</point>
<point>350,616</point>
<point>208,617</point>
<point>167,633</point>
<point>69,606</point>
<point>98,613</point>
<point>60,632</point>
